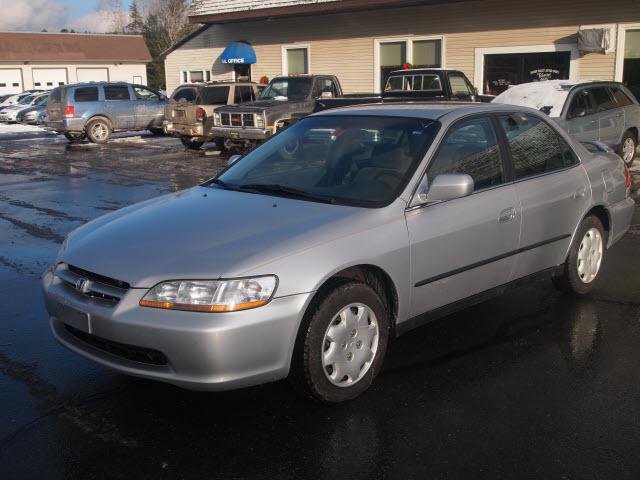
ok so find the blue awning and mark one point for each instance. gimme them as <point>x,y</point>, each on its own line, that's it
<point>239,53</point>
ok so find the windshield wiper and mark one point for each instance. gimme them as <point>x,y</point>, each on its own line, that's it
<point>224,185</point>
<point>285,191</point>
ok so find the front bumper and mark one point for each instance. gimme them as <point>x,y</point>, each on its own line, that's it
<point>240,133</point>
<point>179,130</point>
<point>203,351</point>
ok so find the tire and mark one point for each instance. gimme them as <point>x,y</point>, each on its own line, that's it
<point>99,130</point>
<point>220,145</point>
<point>584,262</point>
<point>335,314</point>
<point>628,146</point>
<point>158,132</point>
<point>191,145</point>
<point>75,137</point>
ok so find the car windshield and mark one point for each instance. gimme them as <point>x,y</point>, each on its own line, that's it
<point>42,101</point>
<point>347,160</point>
<point>27,100</point>
<point>295,88</point>
<point>214,95</point>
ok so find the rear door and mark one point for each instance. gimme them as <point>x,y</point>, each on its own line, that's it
<point>55,104</point>
<point>465,246</point>
<point>120,106</point>
<point>178,111</point>
<point>581,118</point>
<point>610,116</point>
<point>552,188</point>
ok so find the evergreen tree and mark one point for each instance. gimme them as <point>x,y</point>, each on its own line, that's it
<point>136,22</point>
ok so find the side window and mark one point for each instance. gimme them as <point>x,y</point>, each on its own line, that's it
<point>459,87</point>
<point>535,146</point>
<point>622,99</point>
<point>86,94</point>
<point>470,147</point>
<point>602,99</point>
<point>580,105</point>
<point>116,92</point>
<point>143,93</point>
<point>186,94</point>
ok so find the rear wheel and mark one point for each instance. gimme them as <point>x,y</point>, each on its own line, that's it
<point>156,131</point>
<point>191,145</point>
<point>341,344</point>
<point>584,261</point>
<point>628,147</point>
<point>75,137</point>
<point>99,130</point>
<point>220,144</point>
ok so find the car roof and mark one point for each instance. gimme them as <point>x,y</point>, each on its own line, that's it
<point>426,110</point>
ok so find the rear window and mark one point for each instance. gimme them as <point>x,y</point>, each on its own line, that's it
<point>116,92</point>
<point>186,94</point>
<point>55,96</point>
<point>414,83</point>
<point>214,95</point>
<point>86,94</point>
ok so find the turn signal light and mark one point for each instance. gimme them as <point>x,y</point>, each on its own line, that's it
<point>69,111</point>
<point>201,115</point>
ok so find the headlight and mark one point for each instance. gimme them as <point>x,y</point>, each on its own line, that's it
<point>211,295</point>
<point>259,121</point>
<point>216,118</point>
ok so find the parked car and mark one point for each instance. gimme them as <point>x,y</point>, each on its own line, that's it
<point>288,99</point>
<point>30,114</point>
<point>15,98</point>
<point>96,110</point>
<point>307,255</point>
<point>588,110</point>
<point>10,113</point>
<point>189,114</point>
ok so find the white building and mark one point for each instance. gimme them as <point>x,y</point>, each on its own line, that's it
<point>46,60</point>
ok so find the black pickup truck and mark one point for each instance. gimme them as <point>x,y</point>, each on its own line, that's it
<point>287,99</point>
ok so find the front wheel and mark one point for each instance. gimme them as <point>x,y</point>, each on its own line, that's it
<point>584,261</point>
<point>341,344</point>
<point>628,147</point>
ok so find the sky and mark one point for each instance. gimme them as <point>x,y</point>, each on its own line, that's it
<point>52,15</point>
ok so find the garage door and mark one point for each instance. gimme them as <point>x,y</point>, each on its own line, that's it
<point>46,78</point>
<point>10,80</point>
<point>92,75</point>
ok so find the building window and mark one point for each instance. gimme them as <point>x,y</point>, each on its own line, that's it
<point>393,54</point>
<point>295,60</point>
<point>195,76</point>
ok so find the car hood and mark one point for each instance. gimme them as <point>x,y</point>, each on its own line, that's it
<point>260,105</point>
<point>202,233</point>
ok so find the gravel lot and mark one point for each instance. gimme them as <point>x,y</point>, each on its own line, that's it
<point>530,385</point>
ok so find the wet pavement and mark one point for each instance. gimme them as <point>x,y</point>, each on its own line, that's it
<point>530,385</point>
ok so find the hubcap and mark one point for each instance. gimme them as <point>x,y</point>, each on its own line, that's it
<point>590,255</point>
<point>350,345</point>
<point>99,131</point>
<point>628,150</point>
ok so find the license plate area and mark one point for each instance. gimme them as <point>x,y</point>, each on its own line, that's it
<point>178,113</point>
<point>73,317</point>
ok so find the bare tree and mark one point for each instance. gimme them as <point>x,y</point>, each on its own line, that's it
<point>113,15</point>
<point>172,15</point>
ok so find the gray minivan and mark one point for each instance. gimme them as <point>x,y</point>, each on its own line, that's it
<point>97,109</point>
<point>587,109</point>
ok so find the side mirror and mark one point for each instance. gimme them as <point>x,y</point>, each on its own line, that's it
<point>233,159</point>
<point>447,186</point>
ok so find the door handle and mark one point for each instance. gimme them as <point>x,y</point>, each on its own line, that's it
<point>507,215</point>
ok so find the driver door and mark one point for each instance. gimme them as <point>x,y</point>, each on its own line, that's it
<point>464,246</point>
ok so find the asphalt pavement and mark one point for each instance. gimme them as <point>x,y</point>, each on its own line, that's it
<point>533,384</point>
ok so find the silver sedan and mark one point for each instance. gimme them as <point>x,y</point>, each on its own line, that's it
<point>304,258</point>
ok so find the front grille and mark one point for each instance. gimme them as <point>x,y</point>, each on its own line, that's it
<point>122,350</point>
<point>99,278</point>
<point>92,285</point>
<point>237,120</point>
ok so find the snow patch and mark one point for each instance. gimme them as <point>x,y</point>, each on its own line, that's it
<point>549,95</point>
<point>19,128</point>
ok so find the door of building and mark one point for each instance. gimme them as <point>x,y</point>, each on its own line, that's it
<point>631,65</point>
<point>503,70</point>
<point>48,78</point>
<point>10,80</point>
<point>243,72</point>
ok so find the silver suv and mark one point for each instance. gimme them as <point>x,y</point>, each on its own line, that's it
<point>96,110</point>
<point>589,110</point>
